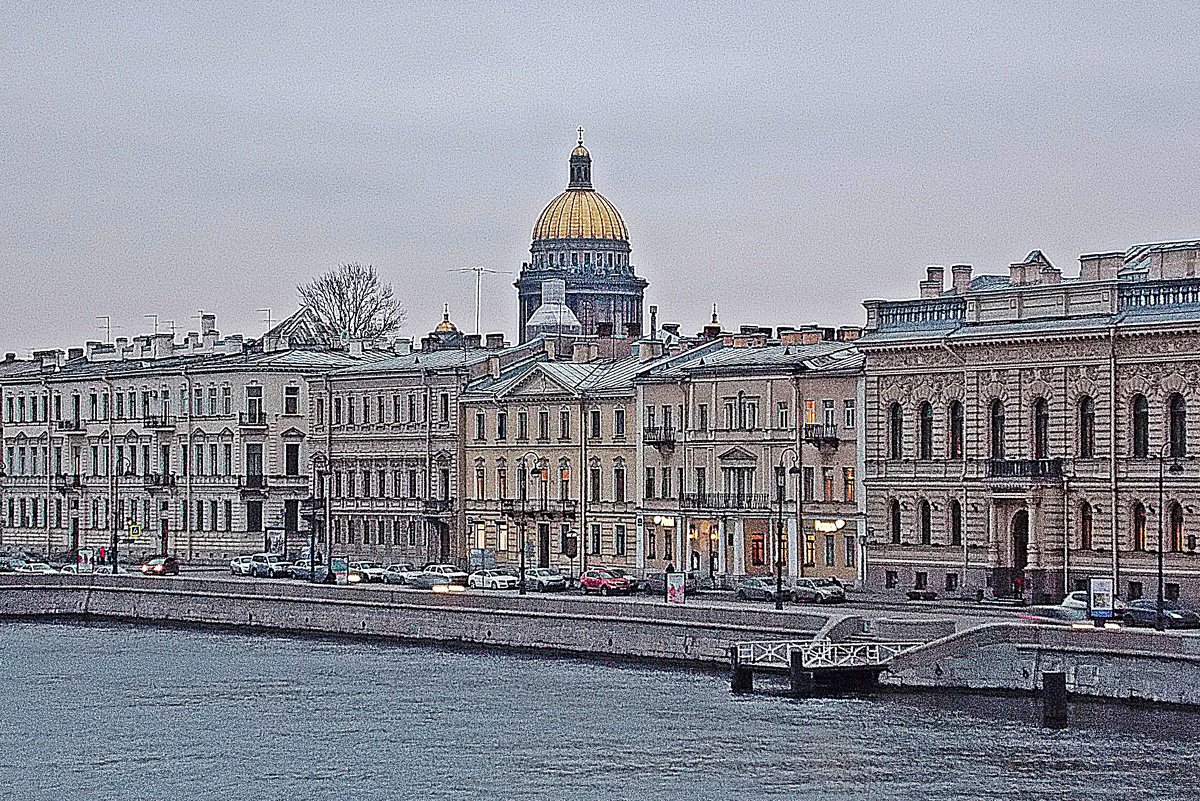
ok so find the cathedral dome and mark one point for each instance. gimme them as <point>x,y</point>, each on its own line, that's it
<point>580,212</point>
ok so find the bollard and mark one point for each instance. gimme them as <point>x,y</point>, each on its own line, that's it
<point>741,676</point>
<point>801,678</point>
<point>1054,700</point>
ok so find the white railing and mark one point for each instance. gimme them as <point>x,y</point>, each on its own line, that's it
<point>816,654</point>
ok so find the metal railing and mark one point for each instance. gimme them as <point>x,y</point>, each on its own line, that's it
<point>821,433</point>
<point>658,435</point>
<point>252,418</point>
<point>70,425</point>
<point>777,654</point>
<point>1051,469</point>
<point>726,500</point>
<point>159,421</point>
<point>159,480</point>
<point>252,482</point>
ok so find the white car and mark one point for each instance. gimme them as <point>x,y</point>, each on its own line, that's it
<point>268,565</point>
<point>240,565</point>
<point>372,570</point>
<point>493,580</point>
<point>1079,600</point>
<point>401,573</point>
<point>451,572</point>
<point>35,567</point>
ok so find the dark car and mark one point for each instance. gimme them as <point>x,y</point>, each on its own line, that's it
<point>161,566</point>
<point>1144,612</point>
<point>760,589</point>
<point>656,584</point>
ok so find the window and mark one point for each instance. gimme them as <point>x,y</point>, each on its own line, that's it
<point>479,484</point>
<point>480,426</point>
<point>337,411</point>
<point>829,550</point>
<point>291,459</point>
<point>620,541</point>
<point>848,486</point>
<point>890,579</point>
<point>254,511</point>
<point>1175,541</point>
<point>851,548</point>
<point>1041,429</point>
<point>1139,527</point>
<point>1177,426</point>
<point>291,400</point>
<point>926,523</point>
<point>522,425</point>
<point>956,522</point>
<point>849,411</point>
<point>619,423</point>
<point>564,424</point>
<point>781,414</point>
<point>227,402</point>
<point>1141,426</point>
<point>827,483</point>
<point>702,417</point>
<point>1085,526</point>
<point>1135,590</point>
<point>997,429</point>
<point>894,521</point>
<point>951,582</point>
<point>829,416</point>
<point>502,541</point>
<point>594,544</point>
<point>444,407</point>
<point>543,425</point>
<point>920,580</point>
<point>619,485</point>
<point>1171,591</point>
<point>925,438</point>
<point>954,449</point>
<point>895,432</point>
<point>666,482</point>
<point>809,480</point>
<point>1087,428</point>
<point>594,483</point>
<point>594,424</point>
<point>650,488</point>
<point>501,425</point>
<point>758,555</point>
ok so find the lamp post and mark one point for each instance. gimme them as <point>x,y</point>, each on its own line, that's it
<point>781,495</point>
<point>1159,618</point>
<point>524,498</point>
<point>116,496</point>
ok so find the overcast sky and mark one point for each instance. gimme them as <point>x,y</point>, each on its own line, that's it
<point>786,162</point>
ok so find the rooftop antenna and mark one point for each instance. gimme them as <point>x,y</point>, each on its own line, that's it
<point>153,317</point>
<point>479,272</point>
<point>108,326</point>
<point>269,318</point>
<point>172,324</point>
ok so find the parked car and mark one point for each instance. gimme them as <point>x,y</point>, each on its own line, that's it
<point>1058,615</point>
<point>35,567</point>
<point>451,572</point>
<point>1144,612</point>
<point>268,565</point>
<point>240,565</point>
<point>427,581</point>
<point>925,594</point>
<point>400,573</point>
<point>760,589</point>
<point>303,571</point>
<point>605,581</point>
<point>545,579</point>
<point>656,584</point>
<point>372,570</point>
<point>818,591</point>
<point>1079,600</point>
<point>493,580</point>
<point>106,569</point>
<point>161,566</point>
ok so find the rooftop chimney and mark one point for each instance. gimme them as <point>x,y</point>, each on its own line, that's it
<point>654,322</point>
<point>472,341</point>
<point>494,341</point>
<point>960,277</point>
<point>208,323</point>
<point>10,357</point>
<point>849,333</point>
<point>934,282</point>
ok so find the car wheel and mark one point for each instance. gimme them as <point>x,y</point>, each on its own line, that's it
<point>741,596</point>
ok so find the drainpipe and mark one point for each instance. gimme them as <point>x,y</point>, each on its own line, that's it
<point>1066,515</point>
<point>187,459</point>
<point>49,471</point>
<point>801,535</point>
<point>428,462</point>
<point>328,478</point>
<point>583,483</point>
<point>966,559</point>
<point>1112,453</point>
<point>110,465</point>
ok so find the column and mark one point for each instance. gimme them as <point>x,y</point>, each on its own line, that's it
<point>793,546</point>
<point>722,540</point>
<point>739,549</point>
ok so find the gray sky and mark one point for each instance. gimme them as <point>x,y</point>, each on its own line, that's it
<point>785,161</point>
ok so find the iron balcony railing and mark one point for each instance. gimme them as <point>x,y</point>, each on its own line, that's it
<point>252,482</point>
<point>438,506</point>
<point>252,418</point>
<point>70,425</point>
<point>65,483</point>
<point>658,435</point>
<point>820,433</point>
<point>1031,469</point>
<point>726,500</point>
<point>159,480</point>
<point>159,421</point>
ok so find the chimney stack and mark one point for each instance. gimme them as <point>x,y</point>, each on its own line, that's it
<point>208,324</point>
<point>934,282</point>
<point>960,277</point>
<point>654,322</point>
<point>494,341</point>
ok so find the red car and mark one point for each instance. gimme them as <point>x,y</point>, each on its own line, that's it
<point>161,566</point>
<point>605,582</point>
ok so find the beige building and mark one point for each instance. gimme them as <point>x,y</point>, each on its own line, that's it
<point>551,454</point>
<point>195,448</point>
<point>1022,427</point>
<point>731,431</point>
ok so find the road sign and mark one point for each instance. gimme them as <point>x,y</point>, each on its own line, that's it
<point>135,530</point>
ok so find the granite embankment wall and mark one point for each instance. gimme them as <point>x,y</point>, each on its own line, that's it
<point>1131,664</point>
<point>566,624</point>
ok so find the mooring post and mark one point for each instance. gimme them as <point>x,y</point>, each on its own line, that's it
<point>741,676</point>
<point>801,680</point>
<point>1054,699</point>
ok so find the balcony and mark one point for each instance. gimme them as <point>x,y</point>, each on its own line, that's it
<point>252,418</point>
<point>70,426</point>
<point>252,483</point>
<point>661,437</point>
<point>65,484</point>
<point>1041,470</point>
<point>159,481</point>
<point>438,507</point>
<point>720,501</point>
<point>821,435</point>
<point>159,422</point>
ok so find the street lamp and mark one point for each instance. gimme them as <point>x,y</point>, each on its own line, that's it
<point>524,498</point>
<point>1159,618</point>
<point>781,493</point>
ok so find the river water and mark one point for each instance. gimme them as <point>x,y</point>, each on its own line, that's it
<point>125,712</point>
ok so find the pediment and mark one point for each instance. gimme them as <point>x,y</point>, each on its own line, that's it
<point>537,384</point>
<point>292,433</point>
<point>737,455</point>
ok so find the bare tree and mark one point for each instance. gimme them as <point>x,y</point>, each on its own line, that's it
<point>354,302</point>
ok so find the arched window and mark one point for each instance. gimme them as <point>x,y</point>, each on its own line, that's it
<point>955,411</point>
<point>956,522</point>
<point>1041,429</point>
<point>1141,427</point>
<point>997,428</point>
<point>1087,427</point>
<point>894,521</point>
<point>1085,526</point>
<point>895,432</point>
<point>1175,543</point>
<point>925,450</point>
<point>1139,527</point>
<point>1177,425</point>
<point>926,524</point>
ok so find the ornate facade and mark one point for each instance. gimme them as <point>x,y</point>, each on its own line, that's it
<point>581,239</point>
<point>1018,426</point>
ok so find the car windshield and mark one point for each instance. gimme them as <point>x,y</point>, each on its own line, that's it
<point>824,582</point>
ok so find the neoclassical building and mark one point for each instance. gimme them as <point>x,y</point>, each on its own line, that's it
<point>1021,427</point>
<point>581,240</point>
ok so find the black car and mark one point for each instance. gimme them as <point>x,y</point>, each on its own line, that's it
<point>1144,612</point>
<point>656,584</point>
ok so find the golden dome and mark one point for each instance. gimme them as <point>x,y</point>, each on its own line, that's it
<point>580,214</point>
<point>445,326</point>
<point>580,150</point>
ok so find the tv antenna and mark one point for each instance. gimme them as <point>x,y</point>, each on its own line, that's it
<point>153,317</point>
<point>479,273</point>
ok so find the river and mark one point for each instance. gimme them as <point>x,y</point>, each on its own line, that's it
<point>109,711</point>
